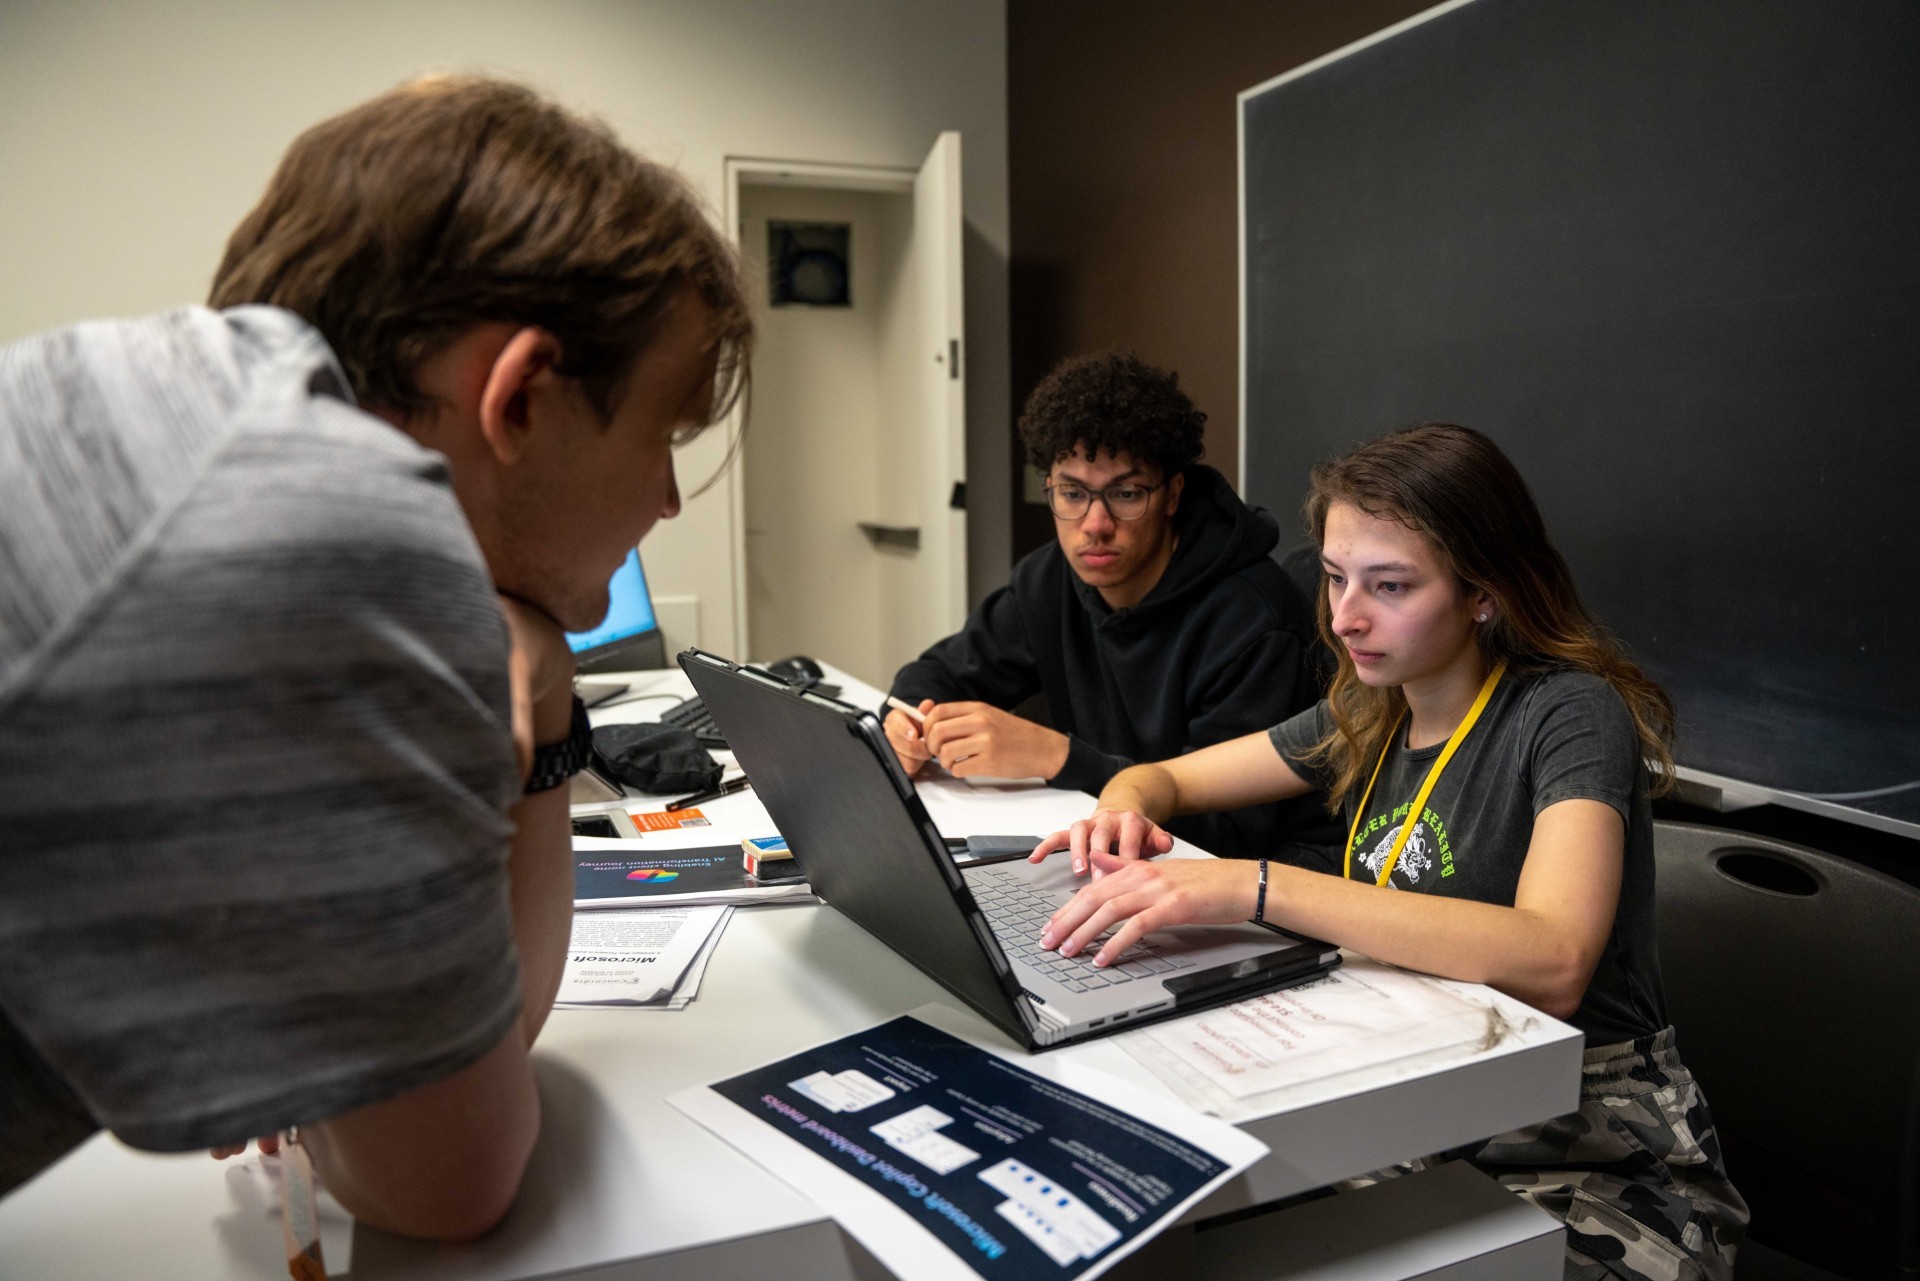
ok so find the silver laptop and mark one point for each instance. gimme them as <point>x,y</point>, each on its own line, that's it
<point>833,787</point>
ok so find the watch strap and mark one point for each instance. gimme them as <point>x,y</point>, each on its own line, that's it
<point>555,763</point>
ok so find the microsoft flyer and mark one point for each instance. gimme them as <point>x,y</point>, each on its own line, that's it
<point>947,1160</point>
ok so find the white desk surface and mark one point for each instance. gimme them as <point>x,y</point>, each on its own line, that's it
<point>621,1184</point>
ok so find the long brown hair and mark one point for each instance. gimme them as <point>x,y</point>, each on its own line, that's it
<point>1453,485</point>
<point>393,227</point>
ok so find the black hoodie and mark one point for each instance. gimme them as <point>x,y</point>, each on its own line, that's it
<point>1219,648</point>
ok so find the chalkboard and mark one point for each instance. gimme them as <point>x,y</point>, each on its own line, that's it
<point>1667,253</point>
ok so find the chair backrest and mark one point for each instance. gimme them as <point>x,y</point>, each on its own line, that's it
<point>1793,980</point>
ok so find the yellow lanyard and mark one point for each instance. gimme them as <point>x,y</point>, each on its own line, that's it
<point>1426,788</point>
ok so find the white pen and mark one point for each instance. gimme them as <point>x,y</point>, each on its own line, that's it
<point>919,718</point>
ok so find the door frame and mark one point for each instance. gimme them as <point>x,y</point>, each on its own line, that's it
<point>743,171</point>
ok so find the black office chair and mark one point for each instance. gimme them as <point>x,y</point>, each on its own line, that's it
<point>1793,979</point>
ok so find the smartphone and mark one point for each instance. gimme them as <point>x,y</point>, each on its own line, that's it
<point>991,849</point>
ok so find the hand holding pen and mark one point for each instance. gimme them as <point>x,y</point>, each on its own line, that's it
<point>905,730</point>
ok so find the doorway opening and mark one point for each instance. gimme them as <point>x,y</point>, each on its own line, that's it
<point>850,528</point>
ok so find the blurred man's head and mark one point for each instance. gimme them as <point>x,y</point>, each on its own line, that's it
<point>510,283</point>
<point>1115,437</point>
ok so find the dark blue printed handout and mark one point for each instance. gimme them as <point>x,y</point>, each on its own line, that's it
<point>928,1140</point>
<point>631,877</point>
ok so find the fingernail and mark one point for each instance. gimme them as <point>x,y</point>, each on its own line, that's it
<point>1100,962</point>
<point>1079,866</point>
<point>1046,938</point>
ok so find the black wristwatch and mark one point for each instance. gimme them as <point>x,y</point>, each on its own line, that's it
<point>555,763</point>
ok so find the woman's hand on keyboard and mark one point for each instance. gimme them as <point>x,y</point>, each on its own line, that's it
<point>1132,897</point>
<point>1124,834</point>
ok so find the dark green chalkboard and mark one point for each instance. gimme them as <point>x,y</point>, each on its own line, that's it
<point>1668,254</point>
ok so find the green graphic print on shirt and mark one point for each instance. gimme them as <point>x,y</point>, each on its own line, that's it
<point>1428,853</point>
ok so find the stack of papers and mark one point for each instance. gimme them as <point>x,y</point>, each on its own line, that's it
<point>643,958</point>
<point>1253,1057</point>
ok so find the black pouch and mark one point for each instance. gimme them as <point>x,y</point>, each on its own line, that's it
<point>654,757</point>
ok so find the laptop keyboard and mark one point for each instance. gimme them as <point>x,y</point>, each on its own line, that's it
<point>694,717</point>
<point>1017,910</point>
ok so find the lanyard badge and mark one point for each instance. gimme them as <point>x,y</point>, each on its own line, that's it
<point>299,1213</point>
<point>1419,807</point>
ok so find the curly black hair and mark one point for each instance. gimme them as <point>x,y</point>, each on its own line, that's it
<point>1115,402</point>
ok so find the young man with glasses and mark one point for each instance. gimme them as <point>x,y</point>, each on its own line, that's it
<point>1157,622</point>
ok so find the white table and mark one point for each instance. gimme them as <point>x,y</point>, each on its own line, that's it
<point>622,1185</point>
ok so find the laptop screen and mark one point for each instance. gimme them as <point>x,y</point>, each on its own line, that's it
<point>629,611</point>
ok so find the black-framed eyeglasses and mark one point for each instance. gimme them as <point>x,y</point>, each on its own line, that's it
<point>1123,502</point>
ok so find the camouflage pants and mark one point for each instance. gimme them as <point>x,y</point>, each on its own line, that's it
<point>1635,1174</point>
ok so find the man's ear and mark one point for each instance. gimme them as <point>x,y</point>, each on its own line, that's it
<point>1174,486</point>
<point>523,364</point>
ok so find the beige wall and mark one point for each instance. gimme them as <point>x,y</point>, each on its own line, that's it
<point>133,137</point>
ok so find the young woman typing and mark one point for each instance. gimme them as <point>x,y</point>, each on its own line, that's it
<point>1487,745</point>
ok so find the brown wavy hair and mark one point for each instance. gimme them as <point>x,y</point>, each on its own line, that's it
<point>452,200</point>
<point>1454,486</point>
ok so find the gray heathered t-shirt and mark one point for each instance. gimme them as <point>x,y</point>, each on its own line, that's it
<point>1544,738</point>
<point>254,763</point>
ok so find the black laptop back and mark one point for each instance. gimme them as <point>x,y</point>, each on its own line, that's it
<point>860,833</point>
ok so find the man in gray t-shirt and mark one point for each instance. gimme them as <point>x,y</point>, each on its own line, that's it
<point>284,692</point>
<point>227,660</point>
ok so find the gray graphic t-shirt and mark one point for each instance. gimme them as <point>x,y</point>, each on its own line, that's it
<point>1544,738</point>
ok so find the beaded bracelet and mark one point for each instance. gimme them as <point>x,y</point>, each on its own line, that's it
<point>1260,903</point>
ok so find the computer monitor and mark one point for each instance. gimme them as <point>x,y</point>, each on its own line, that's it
<point>629,636</point>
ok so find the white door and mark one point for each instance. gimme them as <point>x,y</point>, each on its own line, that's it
<point>859,424</point>
<point>943,409</point>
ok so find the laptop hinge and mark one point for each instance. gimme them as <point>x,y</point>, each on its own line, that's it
<point>1044,1026</point>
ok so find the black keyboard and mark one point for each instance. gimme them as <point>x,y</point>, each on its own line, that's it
<point>693,715</point>
<point>1017,910</point>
